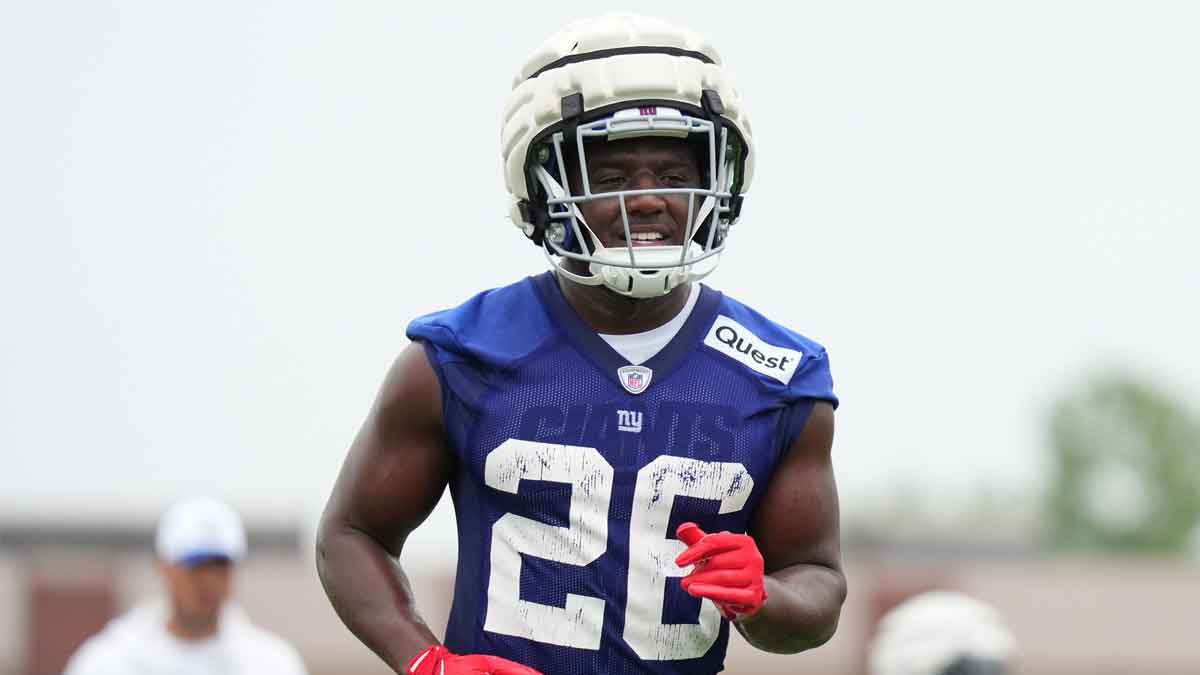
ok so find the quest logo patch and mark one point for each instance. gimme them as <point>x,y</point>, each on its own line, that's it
<point>733,340</point>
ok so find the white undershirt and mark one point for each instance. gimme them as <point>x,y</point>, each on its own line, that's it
<point>637,348</point>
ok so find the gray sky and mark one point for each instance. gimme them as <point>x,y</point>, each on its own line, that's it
<point>218,218</point>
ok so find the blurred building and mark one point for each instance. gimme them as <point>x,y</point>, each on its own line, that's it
<point>1070,616</point>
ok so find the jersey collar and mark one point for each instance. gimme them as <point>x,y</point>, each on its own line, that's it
<point>587,342</point>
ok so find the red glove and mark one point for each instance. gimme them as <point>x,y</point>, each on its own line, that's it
<point>729,570</point>
<point>437,660</point>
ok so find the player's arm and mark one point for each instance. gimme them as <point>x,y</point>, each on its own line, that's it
<point>392,478</point>
<point>782,583</point>
<point>796,529</point>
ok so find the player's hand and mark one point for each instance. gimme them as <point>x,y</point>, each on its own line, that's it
<point>729,570</point>
<point>437,660</point>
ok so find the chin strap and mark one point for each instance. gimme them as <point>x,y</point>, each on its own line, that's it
<point>560,266</point>
<point>638,283</point>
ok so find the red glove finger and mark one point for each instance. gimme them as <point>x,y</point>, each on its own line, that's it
<point>711,545</point>
<point>723,595</point>
<point>689,533</point>
<point>728,578</point>
<point>748,559</point>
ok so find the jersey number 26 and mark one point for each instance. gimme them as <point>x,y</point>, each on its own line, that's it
<point>651,553</point>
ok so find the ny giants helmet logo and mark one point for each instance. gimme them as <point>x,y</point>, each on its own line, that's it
<point>635,379</point>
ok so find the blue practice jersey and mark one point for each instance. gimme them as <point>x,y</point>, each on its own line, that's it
<point>574,469</point>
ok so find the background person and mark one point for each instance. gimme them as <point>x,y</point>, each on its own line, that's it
<point>194,630</point>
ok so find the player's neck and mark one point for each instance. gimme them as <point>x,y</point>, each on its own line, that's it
<point>613,314</point>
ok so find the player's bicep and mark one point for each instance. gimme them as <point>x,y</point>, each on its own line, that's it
<point>398,465</point>
<point>796,522</point>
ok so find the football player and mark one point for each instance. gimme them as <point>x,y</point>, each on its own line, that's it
<point>637,461</point>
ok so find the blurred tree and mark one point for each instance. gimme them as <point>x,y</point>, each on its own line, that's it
<point>1127,469</point>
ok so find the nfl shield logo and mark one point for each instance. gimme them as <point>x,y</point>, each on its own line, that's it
<point>635,379</point>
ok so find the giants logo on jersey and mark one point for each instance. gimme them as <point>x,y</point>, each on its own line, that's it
<point>629,420</point>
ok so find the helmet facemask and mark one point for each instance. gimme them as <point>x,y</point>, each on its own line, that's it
<point>622,76</point>
<point>638,271</point>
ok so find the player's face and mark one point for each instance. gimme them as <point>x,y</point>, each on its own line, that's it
<point>639,164</point>
<point>197,592</point>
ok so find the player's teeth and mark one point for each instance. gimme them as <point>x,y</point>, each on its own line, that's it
<point>646,236</point>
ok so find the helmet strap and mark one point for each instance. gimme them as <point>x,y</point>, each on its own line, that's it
<point>571,107</point>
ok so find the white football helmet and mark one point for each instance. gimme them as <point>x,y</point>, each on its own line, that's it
<point>942,633</point>
<point>609,78</point>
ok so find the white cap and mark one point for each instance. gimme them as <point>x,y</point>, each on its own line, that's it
<point>199,529</point>
<point>927,633</point>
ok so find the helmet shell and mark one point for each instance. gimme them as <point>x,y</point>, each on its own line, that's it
<point>614,61</point>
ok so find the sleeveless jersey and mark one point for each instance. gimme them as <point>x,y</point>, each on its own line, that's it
<point>574,469</point>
